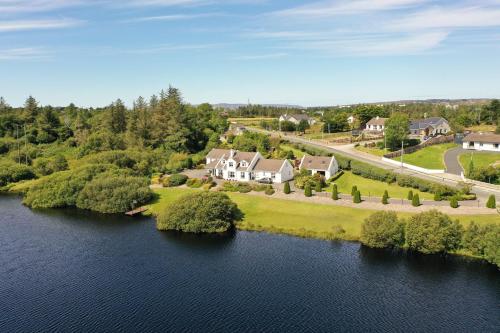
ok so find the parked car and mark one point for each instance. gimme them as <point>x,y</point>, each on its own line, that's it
<point>265,181</point>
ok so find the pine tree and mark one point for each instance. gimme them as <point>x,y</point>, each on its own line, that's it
<point>471,168</point>
<point>357,197</point>
<point>286,188</point>
<point>116,117</point>
<point>307,190</point>
<point>317,187</point>
<point>385,198</point>
<point>354,190</point>
<point>410,195</point>
<point>335,192</point>
<point>438,196</point>
<point>30,111</point>
<point>492,202</point>
<point>454,202</point>
<point>415,201</point>
<point>3,105</point>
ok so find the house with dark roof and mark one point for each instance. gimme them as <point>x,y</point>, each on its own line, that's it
<point>235,165</point>
<point>326,166</point>
<point>297,118</point>
<point>482,141</point>
<point>429,127</point>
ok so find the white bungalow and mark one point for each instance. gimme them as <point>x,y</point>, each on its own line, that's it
<point>376,124</point>
<point>246,166</point>
<point>297,118</point>
<point>482,141</point>
<point>326,166</point>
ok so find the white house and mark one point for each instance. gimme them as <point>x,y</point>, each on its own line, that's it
<point>351,119</point>
<point>326,166</point>
<point>429,126</point>
<point>297,118</point>
<point>246,166</point>
<point>376,124</point>
<point>482,141</point>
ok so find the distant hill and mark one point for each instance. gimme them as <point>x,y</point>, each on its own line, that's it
<point>229,106</point>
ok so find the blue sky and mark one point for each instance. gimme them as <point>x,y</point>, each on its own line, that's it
<point>294,52</point>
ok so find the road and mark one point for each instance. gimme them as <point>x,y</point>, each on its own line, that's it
<point>482,190</point>
<point>451,161</point>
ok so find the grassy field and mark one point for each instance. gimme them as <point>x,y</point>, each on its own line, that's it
<point>375,188</point>
<point>249,121</point>
<point>481,159</point>
<point>298,153</point>
<point>482,128</point>
<point>372,150</point>
<point>297,218</point>
<point>326,136</point>
<point>431,157</point>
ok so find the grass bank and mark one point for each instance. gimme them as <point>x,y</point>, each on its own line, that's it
<point>431,157</point>
<point>481,159</point>
<point>299,218</point>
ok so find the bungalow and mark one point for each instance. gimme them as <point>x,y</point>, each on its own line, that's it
<point>246,166</point>
<point>297,118</point>
<point>326,166</point>
<point>482,141</point>
<point>376,124</point>
<point>429,126</point>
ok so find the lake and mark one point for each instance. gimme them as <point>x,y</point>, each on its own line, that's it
<point>68,270</point>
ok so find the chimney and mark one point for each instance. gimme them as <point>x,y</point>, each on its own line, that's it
<point>231,153</point>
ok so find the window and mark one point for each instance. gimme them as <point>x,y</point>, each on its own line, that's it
<point>481,144</point>
<point>231,174</point>
<point>496,145</point>
<point>273,175</point>
<point>230,164</point>
<point>242,175</point>
<point>243,164</point>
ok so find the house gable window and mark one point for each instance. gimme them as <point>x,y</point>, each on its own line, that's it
<point>496,145</point>
<point>273,175</point>
<point>231,174</point>
<point>242,175</point>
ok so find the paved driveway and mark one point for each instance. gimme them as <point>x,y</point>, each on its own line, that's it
<point>451,160</point>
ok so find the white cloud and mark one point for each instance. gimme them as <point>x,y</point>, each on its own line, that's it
<point>333,8</point>
<point>170,48</point>
<point>263,56</point>
<point>25,53</point>
<point>38,24</point>
<point>174,17</point>
<point>20,6</point>
<point>470,17</point>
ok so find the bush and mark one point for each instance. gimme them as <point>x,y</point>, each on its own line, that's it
<point>357,197</point>
<point>492,202</point>
<point>433,232</point>
<point>236,187</point>
<point>47,166</point>
<point>335,192</point>
<point>178,162</point>
<point>269,190</point>
<point>354,189</point>
<point>383,229</point>
<point>12,173</point>
<point>307,190</point>
<point>385,198</point>
<point>201,212</point>
<point>453,202</point>
<point>317,187</point>
<point>286,188</point>
<point>410,195</point>
<point>372,172</point>
<point>194,183</point>
<point>109,193</point>
<point>483,241</point>
<point>175,180</point>
<point>259,187</point>
<point>415,201</point>
<point>437,196</point>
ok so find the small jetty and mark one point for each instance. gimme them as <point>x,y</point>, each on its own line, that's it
<point>137,211</point>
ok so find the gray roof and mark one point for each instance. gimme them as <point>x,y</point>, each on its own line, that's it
<point>427,122</point>
<point>316,162</point>
<point>269,165</point>
<point>482,137</point>
<point>296,116</point>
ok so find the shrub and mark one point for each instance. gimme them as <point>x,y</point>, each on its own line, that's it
<point>178,162</point>
<point>208,186</point>
<point>453,202</point>
<point>202,212</point>
<point>47,166</point>
<point>357,197</point>
<point>286,188</point>
<point>354,189</point>
<point>415,201</point>
<point>269,190</point>
<point>259,187</point>
<point>492,202</point>
<point>317,187</point>
<point>307,190</point>
<point>433,232</point>
<point>372,172</point>
<point>385,198</point>
<point>108,193</point>
<point>338,232</point>
<point>175,180</point>
<point>12,173</point>
<point>336,176</point>
<point>335,192</point>
<point>410,195</point>
<point>437,196</point>
<point>236,187</point>
<point>476,238</point>
<point>383,229</point>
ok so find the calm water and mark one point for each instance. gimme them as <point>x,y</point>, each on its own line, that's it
<point>72,271</point>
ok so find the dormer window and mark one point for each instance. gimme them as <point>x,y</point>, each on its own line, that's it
<point>230,164</point>
<point>243,164</point>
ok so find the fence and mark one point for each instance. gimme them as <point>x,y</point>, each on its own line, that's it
<point>430,142</point>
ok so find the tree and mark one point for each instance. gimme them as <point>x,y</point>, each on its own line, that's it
<point>415,201</point>
<point>383,229</point>
<point>30,110</point>
<point>492,202</point>
<point>139,124</point>
<point>116,117</point>
<point>318,187</point>
<point>410,195</point>
<point>303,125</point>
<point>202,212</point>
<point>491,112</point>
<point>287,126</point>
<point>396,130</point>
<point>354,189</point>
<point>385,198</point>
<point>286,188</point>
<point>336,122</point>
<point>3,105</point>
<point>454,202</point>
<point>357,197</point>
<point>470,172</point>
<point>307,190</point>
<point>433,232</point>
<point>335,192</point>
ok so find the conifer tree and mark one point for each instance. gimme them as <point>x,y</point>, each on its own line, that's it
<point>357,197</point>
<point>335,192</point>
<point>30,110</point>
<point>415,201</point>
<point>410,195</point>
<point>317,186</point>
<point>307,190</point>
<point>492,202</point>
<point>286,188</point>
<point>385,198</point>
<point>353,190</point>
<point>454,202</point>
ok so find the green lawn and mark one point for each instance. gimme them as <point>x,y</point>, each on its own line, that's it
<point>298,153</point>
<point>375,188</point>
<point>326,136</point>
<point>297,218</point>
<point>372,150</point>
<point>431,157</point>
<point>481,159</point>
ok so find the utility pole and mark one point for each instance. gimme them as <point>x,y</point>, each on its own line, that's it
<point>18,147</point>
<point>25,145</point>
<point>402,153</point>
